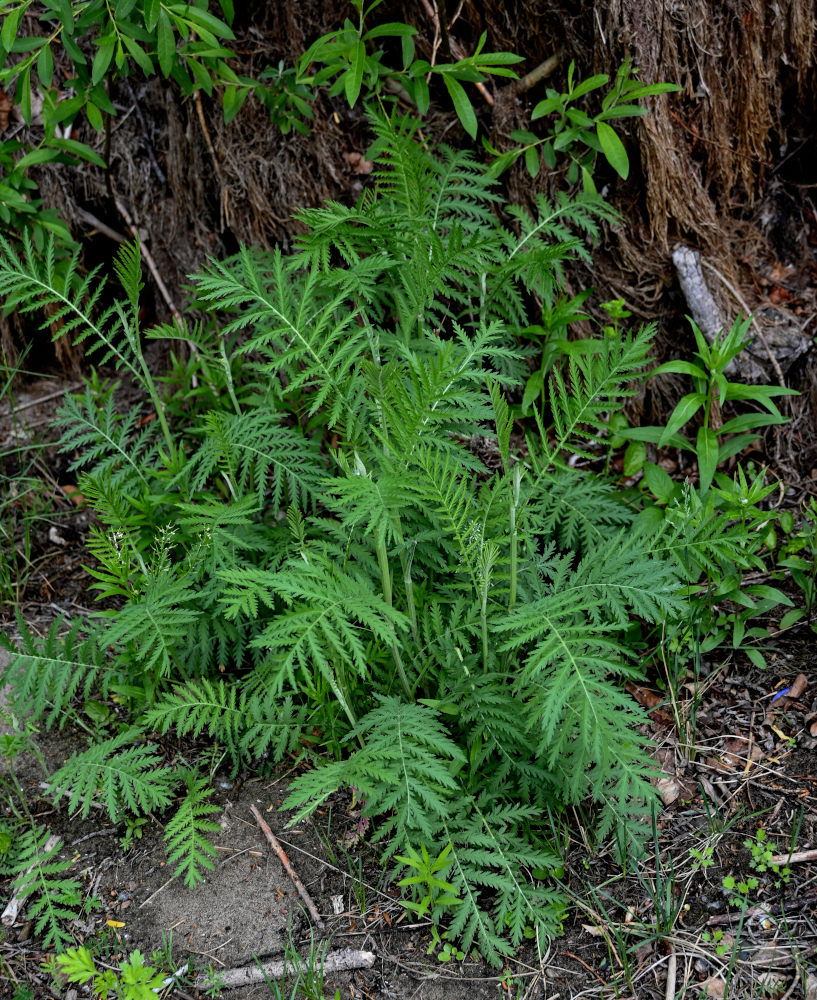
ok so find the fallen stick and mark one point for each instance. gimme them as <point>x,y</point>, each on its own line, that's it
<point>798,856</point>
<point>282,856</point>
<point>336,961</point>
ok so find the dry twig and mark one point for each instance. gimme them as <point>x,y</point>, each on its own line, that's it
<point>282,856</point>
<point>336,961</point>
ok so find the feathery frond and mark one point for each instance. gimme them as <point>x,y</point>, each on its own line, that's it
<point>125,778</point>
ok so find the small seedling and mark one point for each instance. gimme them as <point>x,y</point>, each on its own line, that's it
<point>716,937</point>
<point>703,858</point>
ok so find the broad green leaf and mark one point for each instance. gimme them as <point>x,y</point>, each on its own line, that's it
<point>659,482</point>
<point>769,594</point>
<point>707,452</point>
<point>656,435</point>
<point>532,160</point>
<point>165,43</point>
<point>634,457</point>
<point>78,149</point>
<point>407,50</point>
<point>755,656</point>
<point>9,30</point>
<point>394,29</point>
<point>203,78</point>
<point>152,10</point>
<point>94,116</point>
<point>533,390</point>
<point>41,155</point>
<point>791,618</point>
<point>462,104</point>
<point>686,409</point>
<point>613,149</point>
<point>652,88</point>
<point>353,78</point>
<point>578,117</point>
<point>232,101</point>
<point>750,422</point>
<point>102,59</point>
<point>591,83</point>
<point>24,89</point>
<point>522,135</point>
<point>622,111</point>
<point>680,368</point>
<point>202,19</point>
<point>140,57</point>
<point>45,66</point>
<point>546,107</point>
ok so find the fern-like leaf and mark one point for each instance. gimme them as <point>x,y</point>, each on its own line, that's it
<point>186,840</point>
<point>126,778</point>
<point>249,727</point>
<point>45,675</point>
<point>404,771</point>
<point>42,879</point>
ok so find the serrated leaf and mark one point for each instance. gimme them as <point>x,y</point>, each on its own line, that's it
<point>613,149</point>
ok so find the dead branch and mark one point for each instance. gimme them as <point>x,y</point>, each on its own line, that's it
<point>282,856</point>
<point>336,961</point>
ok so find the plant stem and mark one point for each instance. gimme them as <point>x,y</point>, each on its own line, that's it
<point>515,488</point>
<point>385,576</point>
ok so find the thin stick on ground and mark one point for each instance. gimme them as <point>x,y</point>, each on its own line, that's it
<point>282,856</point>
<point>336,961</point>
<point>672,972</point>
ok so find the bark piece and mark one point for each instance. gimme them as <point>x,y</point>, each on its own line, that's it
<point>341,960</point>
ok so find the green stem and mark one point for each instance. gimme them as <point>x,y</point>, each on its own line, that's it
<point>385,576</point>
<point>483,619</point>
<point>408,583</point>
<point>515,487</point>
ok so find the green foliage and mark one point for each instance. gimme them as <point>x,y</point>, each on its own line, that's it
<point>182,41</point>
<point>713,390</point>
<point>249,727</point>
<point>430,875</point>
<point>42,881</point>
<point>186,833</point>
<point>798,556</point>
<point>133,980</point>
<point>311,545</point>
<point>573,127</point>
<point>122,776</point>
<point>47,674</point>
